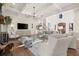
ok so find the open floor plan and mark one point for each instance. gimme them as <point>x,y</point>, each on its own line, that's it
<point>39,29</point>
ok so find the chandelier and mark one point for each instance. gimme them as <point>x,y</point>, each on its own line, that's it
<point>34,12</point>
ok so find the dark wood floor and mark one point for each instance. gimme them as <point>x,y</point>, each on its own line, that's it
<point>18,51</point>
<point>21,51</point>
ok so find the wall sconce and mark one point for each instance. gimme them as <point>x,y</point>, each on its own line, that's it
<point>70,26</point>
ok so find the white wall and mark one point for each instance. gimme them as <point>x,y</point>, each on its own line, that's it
<point>68,17</point>
<point>76,20</point>
<point>20,18</point>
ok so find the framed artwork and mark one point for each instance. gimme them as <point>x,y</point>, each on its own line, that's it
<point>70,26</point>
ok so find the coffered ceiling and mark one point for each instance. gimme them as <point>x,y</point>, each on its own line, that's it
<point>41,9</point>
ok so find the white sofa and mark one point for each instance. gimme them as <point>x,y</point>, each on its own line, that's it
<point>56,45</point>
<point>73,41</point>
<point>59,47</point>
<point>73,35</point>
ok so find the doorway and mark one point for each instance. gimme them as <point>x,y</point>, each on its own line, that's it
<point>62,27</point>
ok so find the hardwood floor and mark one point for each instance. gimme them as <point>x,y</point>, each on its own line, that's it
<point>21,51</point>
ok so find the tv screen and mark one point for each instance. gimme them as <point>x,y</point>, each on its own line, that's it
<point>22,26</point>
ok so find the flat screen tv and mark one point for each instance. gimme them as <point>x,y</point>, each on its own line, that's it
<point>22,26</point>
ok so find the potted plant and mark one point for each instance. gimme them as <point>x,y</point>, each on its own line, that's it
<point>8,20</point>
